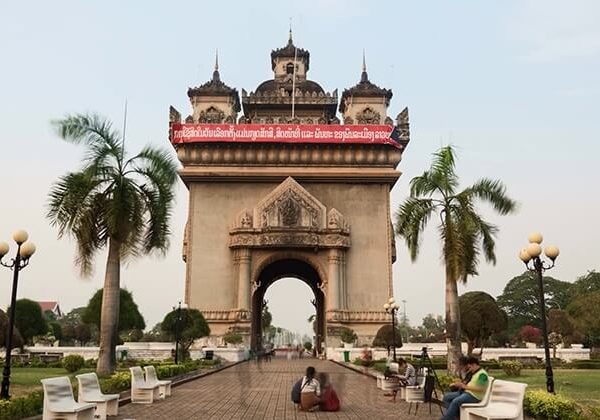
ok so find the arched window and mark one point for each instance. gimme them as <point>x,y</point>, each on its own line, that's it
<point>289,69</point>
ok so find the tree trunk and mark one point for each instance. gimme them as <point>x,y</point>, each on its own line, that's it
<point>109,320</point>
<point>470,347</point>
<point>452,325</point>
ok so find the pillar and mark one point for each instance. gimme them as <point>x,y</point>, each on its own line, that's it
<point>244,279</point>
<point>333,281</point>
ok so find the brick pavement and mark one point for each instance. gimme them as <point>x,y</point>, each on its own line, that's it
<point>252,391</point>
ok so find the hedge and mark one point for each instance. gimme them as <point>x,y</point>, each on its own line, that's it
<point>542,405</point>
<point>22,407</point>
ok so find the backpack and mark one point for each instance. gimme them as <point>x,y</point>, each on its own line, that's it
<point>297,390</point>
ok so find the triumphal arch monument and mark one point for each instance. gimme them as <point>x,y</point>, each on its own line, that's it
<point>289,180</point>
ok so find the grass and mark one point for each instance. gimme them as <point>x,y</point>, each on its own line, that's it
<point>578,384</point>
<point>27,379</point>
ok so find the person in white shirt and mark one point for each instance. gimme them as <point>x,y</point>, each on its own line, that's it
<point>310,391</point>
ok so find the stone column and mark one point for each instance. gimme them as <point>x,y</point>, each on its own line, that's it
<point>333,282</point>
<point>244,278</point>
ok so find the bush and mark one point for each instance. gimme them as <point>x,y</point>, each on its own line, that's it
<point>73,363</point>
<point>22,407</point>
<point>233,338</point>
<point>543,405</point>
<point>347,335</point>
<point>511,368</point>
<point>116,383</point>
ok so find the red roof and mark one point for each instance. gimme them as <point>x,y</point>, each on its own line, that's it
<point>47,305</point>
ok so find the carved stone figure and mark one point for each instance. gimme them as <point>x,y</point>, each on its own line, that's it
<point>246,221</point>
<point>289,211</point>
<point>211,116</point>
<point>368,116</point>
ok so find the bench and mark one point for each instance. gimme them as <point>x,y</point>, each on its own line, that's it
<point>486,398</point>
<point>89,392</point>
<point>505,402</point>
<point>141,391</point>
<point>164,387</point>
<point>59,402</point>
<point>415,394</point>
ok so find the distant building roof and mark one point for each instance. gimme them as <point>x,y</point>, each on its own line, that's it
<point>50,305</point>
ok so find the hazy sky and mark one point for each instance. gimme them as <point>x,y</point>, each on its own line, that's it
<point>515,85</point>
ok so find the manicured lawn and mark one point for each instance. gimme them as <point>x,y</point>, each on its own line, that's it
<point>582,385</point>
<point>26,380</point>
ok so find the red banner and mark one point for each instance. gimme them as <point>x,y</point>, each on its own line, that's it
<point>281,133</point>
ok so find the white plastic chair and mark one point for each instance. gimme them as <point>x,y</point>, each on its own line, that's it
<point>89,392</point>
<point>486,398</point>
<point>59,402</point>
<point>164,387</point>
<point>141,392</point>
<point>415,394</point>
<point>506,402</point>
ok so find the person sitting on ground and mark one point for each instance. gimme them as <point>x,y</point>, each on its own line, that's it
<point>329,398</point>
<point>409,378</point>
<point>310,391</point>
<point>470,392</point>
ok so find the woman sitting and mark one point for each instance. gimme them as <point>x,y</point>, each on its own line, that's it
<point>310,391</point>
<point>329,398</point>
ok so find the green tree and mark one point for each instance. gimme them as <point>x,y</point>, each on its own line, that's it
<point>191,326</point>
<point>115,202</point>
<point>267,318</point>
<point>586,284</point>
<point>520,299</point>
<point>385,337</point>
<point>17,340</point>
<point>29,319</point>
<point>129,318</point>
<point>480,318</point>
<point>584,310</point>
<point>561,323</point>
<point>434,326</point>
<point>55,329</point>
<point>464,234</point>
<point>155,334</point>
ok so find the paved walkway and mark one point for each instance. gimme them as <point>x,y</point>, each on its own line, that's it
<point>251,391</point>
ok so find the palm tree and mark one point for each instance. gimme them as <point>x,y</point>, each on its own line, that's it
<point>112,201</point>
<point>463,232</point>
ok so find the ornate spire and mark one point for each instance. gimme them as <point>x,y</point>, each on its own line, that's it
<point>364,77</point>
<point>216,77</point>
<point>290,41</point>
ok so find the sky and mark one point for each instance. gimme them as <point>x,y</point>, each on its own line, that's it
<point>514,85</point>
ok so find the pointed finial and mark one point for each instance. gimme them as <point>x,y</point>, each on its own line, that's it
<point>364,77</point>
<point>290,35</point>
<point>216,77</point>
<point>364,66</point>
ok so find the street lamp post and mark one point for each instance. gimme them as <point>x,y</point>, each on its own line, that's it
<point>24,251</point>
<point>392,307</point>
<point>532,254</point>
<point>177,321</point>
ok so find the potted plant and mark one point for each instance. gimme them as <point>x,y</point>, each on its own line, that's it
<point>233,339</point>
<point>348,337</point>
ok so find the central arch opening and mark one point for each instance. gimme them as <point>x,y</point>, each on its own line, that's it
<point>283,269</point>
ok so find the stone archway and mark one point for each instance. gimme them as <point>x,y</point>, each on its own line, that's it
<point>281,267</point>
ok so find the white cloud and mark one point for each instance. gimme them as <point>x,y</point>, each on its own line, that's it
<point>552,30</point>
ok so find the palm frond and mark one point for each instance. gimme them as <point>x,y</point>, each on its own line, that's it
<point>90,129</point>
<point>411,220</point>
<point>494,193</point>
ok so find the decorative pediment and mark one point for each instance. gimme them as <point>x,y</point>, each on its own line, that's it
<point>289,206</point>
<point>290,217</point>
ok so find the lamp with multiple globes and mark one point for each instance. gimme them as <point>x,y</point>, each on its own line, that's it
<point>392,307</point>
<point>24,252</point>
<point>532,258</point>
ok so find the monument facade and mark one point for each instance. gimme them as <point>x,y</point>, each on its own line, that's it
<point>289,189</point>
